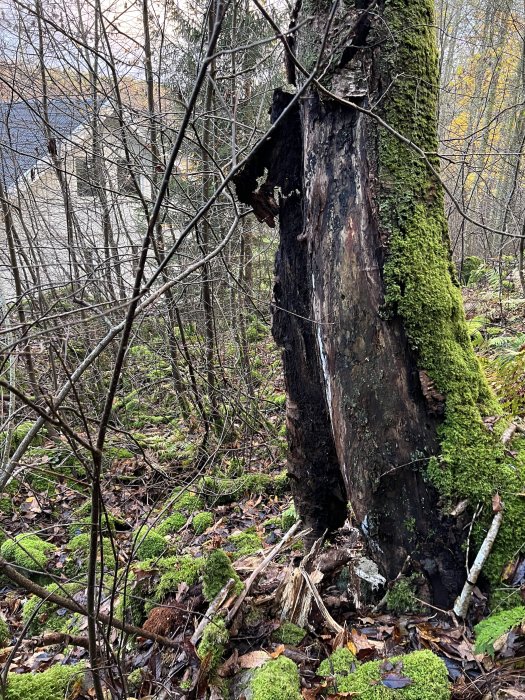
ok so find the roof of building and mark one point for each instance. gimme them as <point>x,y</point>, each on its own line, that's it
<point>23,141</point>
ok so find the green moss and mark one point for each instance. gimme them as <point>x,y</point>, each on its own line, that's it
<point>171,524</point>
<point>27,551</point>
<point>149,543</point>
<point>276,680</point>
<point>213,643</point>
<point>221,490</point>
<point>401,597</point>
<point>288,633</point>
<point>78,551</point>
<point>187,501</point>
<point>5,634</point>
<point>288,518</point>
<point>339,664</point>
<point>82,521</point>
<point>202,521</point>
<point>57,683</point>
<point>247,542</point>
<point>6,506</point>
<point>135,680</point>
<point>48,616</point>
<point>216,574</point>
<point>422,290</point>
<point>427,673</point>
<point>493,627</point>
<point>174,571</point>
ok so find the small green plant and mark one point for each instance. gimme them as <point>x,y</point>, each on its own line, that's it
<point>171,524</point>
<point>247,542</point>
<point>488,631</point>
<point>401,598</point>
<point>5,634</point>
<point>43,615</point>
<point>289,517</point>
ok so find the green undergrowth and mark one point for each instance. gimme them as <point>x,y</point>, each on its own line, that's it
<point>78,551</point>
<point>421,288</point>
<point>276,680</point>
<point>149,543</point>
<point>424,674</point>
<point>401,598</point>
<point>57,683</point>
<point>489,630</point>
<point>201,522</point>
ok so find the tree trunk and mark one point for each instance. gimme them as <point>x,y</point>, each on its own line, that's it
<point>385,394</point>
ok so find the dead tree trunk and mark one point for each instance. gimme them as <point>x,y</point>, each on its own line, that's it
<point>385,395</point>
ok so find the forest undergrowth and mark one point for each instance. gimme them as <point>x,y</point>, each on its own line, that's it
<point>203,552</point>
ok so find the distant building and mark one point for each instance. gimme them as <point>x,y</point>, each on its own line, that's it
<point>74,182</point>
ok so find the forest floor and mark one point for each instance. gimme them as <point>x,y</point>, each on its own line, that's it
<point>162,529</point>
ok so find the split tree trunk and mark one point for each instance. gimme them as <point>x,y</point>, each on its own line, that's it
<point>379,370</point>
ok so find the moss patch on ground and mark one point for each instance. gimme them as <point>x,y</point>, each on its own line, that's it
<point>276,680</point>
<point>45,616</point>
<point>213,643</point>
<point>201,522</point>
<point>27,551</point>
<point>149,543</point>
<point>171,524</point>
<point>5,634</point>
<point>422,289</point>
<point>217,571</point>
<point>247,542</point>
<point>424,674</point>
<point>57,683</point>
<point>288,633</point>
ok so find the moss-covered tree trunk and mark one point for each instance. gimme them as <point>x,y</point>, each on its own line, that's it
<point>384,390</point>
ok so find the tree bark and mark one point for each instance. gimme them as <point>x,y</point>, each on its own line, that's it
<point>377,360</point>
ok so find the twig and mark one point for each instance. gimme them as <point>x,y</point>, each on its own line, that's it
<point>463,600</point>
<point>73,606</point>
<point>262,566</point>
<point>334,626</point>
<point>212,610</point>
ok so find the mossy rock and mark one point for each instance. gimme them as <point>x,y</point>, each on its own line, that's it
<point>245,543</point>
<point>173,523</point>
<point>288,633</point>
<point>217,571</point>
<point>45,616</point>
<point>213,643</point>
<point>276,680</point>
<point>424,673</point>
<point>57,683</point>
<point>186,501</point>
<point>27,551</point>
<point>488,631</point>
<point>202,521</point>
